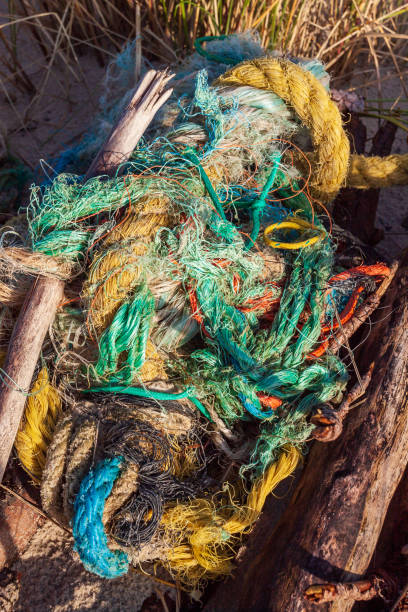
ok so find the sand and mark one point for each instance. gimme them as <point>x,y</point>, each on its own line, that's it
<point>50,577</point>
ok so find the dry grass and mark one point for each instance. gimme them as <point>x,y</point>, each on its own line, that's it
<point>339,32</point>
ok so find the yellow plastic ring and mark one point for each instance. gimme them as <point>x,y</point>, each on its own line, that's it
<point>298,224</point>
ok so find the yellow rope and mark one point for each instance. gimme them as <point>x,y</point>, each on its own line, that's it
<point>311,102</point>
<point>332,165</point>
<point>115,272</point>
<point>205,537</point>
<point>42,410</point>
<point>377,172</point>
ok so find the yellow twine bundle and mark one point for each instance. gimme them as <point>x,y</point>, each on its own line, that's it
<point>205,536</point>
<point>42,410</point>
<point>185,460</point>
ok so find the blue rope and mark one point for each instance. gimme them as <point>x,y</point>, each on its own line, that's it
<point>90,538</point>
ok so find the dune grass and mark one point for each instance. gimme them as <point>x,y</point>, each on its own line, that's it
<point>336,31</point>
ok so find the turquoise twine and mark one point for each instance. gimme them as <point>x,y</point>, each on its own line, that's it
<point>157,395</point>
<point>191,156</point>
<point>128,332</point>
<point>240,359</point>
<point>90,538</point>
<point>258,206</point>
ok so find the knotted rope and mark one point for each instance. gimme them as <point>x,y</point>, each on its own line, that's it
<point>182,260</point>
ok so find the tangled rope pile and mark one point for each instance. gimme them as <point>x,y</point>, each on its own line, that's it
<point>203,291</point>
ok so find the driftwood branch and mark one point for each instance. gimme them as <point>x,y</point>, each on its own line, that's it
<point>360,590</point>
<point>132,124</point>
<point>330,528</point>
<point>39,308</point>
<point>36,315</point>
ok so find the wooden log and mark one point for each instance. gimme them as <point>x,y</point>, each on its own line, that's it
<point>329,530</point>
<point>132,124</point>
<point>39,308</point>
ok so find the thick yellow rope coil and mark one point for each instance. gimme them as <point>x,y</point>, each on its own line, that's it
<point>332,165</point>
<point>311,102</point>
<point>377,172</point>
<point>205,535</point>
<point>42,410</point>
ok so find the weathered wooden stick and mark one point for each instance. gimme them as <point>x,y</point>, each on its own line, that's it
<point>36,315</point>
<point>330,528</point>
<point>41,303</point>
<point>132,124</point>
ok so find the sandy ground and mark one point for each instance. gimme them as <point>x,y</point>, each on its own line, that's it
<point>49,576</point>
